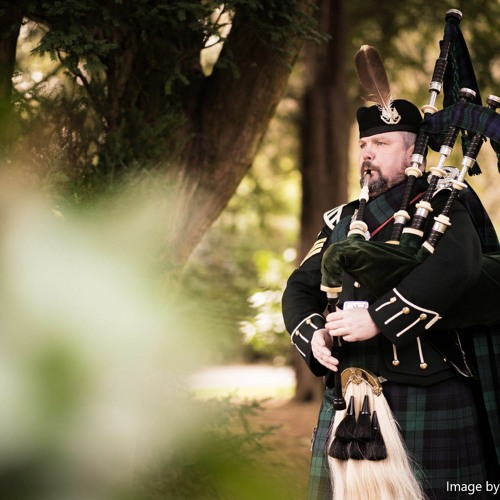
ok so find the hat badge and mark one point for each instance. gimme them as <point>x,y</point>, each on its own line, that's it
<point>390,115</point>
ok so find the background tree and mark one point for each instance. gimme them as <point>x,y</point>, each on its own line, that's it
<point>324,136</point>
<point>138,97</point>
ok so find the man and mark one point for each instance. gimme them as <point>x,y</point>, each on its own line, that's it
<point>427,379</point>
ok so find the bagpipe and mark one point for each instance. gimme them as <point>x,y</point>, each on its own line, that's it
<point>380,266</point>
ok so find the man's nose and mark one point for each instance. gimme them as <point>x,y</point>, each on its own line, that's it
<point>367,153</point>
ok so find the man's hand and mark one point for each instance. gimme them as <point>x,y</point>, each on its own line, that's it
<point>321,346</point>
<point>353,325</point>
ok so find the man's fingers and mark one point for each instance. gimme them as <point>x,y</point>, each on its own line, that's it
<point>326,359</point>
<point>321,344</point>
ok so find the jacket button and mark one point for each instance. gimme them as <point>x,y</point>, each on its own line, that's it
<point>423,366</point>
<point>406,310</point>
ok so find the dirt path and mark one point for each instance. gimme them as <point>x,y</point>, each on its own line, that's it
<point>291,442</point>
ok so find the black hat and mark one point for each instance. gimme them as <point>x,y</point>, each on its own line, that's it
<point>403,116</point>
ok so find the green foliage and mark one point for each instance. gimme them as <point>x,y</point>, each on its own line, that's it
<point>71,36</point>
<point>222,461</point>
<point>276,20</point>
<point>130,69</point>
<point>408,39</point>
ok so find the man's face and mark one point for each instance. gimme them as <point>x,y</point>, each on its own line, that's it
<point>386,156</point>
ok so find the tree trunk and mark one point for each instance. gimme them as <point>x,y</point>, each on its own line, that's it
<point>10,24</point>
<point>226,129</point>
<point>324,138</point>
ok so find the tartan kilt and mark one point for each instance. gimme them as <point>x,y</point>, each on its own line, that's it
<point>441,428</point>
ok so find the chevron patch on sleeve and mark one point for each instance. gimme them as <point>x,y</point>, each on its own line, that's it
<point>316,248</point>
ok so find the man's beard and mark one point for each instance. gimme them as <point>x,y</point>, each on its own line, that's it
<point>378,186</point>
<point>381,184</point>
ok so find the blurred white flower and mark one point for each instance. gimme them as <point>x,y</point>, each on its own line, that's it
<point>93,357</point>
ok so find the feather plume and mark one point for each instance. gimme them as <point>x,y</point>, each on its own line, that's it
<point>374,82</point>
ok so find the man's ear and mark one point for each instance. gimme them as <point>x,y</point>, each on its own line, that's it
<point>409,153</point>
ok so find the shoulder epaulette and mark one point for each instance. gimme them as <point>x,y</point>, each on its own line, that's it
<point>333,216</point>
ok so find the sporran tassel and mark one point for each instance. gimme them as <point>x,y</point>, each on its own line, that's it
<point>376,449</point>
<point>362,432</point>
<point>344,434</point>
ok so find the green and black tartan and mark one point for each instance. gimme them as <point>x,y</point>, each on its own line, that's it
<point>440,425</point>
<point>486,341</point>
<point>466,116</point>
<point>319,477</point>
